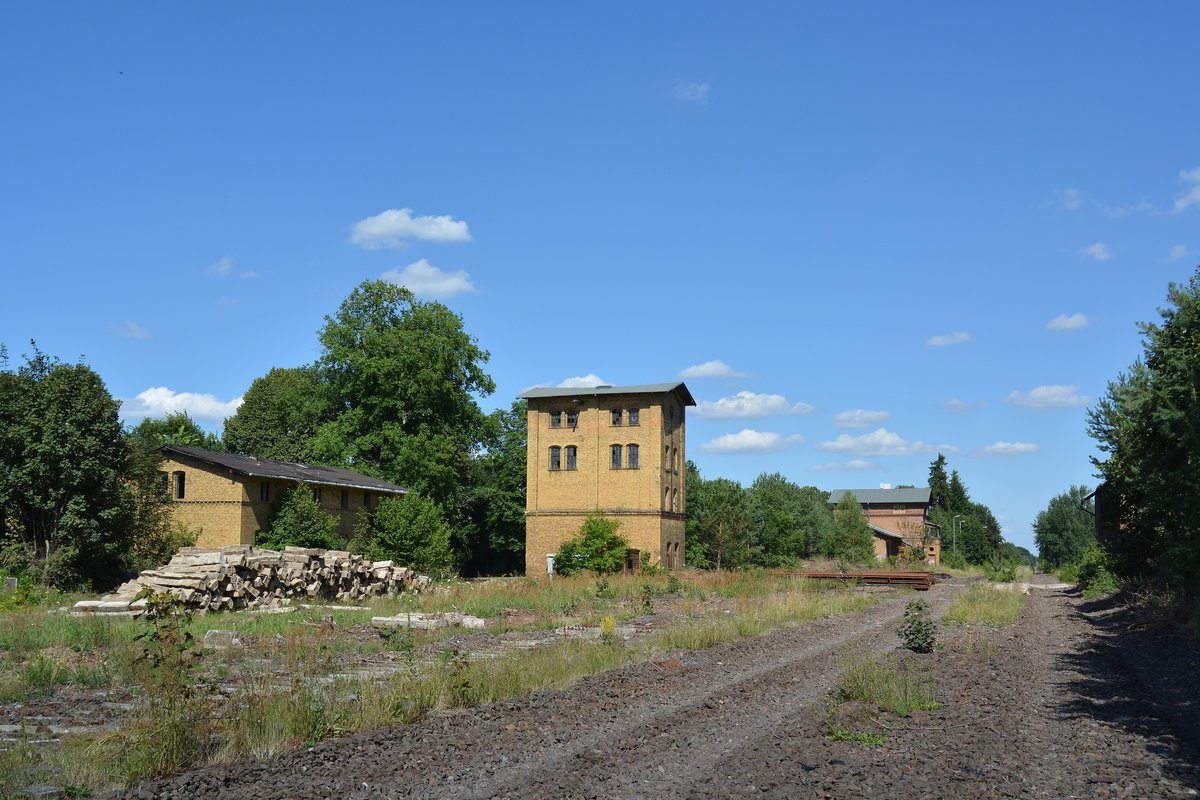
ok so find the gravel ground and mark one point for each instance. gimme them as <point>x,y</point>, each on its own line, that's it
<point>1075,699</point>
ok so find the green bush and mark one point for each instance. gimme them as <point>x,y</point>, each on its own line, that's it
<point>998,570</point>
<point>597,547</point>
<point>300,522</point>
<point>954,559</point>
<point>410,530</point>
<point>918,629</point>
<point>1096,575</point>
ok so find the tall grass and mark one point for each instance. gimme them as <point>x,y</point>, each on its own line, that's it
<point>896,686</point>
<point>984,604</point>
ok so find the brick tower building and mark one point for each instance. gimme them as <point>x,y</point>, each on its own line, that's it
<point>616,449</point>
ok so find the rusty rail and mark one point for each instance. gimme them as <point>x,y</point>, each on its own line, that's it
<point>921,581</point>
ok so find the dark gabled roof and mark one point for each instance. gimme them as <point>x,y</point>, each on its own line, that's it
<point>677,387</point>
<point>284,470</point>
<point>920,495</point>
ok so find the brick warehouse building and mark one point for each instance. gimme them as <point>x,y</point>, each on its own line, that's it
<point>230,498</point>
<point>616,449</point>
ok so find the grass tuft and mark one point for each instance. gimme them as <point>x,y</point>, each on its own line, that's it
<point>984,604</point>
<point>895,686</point>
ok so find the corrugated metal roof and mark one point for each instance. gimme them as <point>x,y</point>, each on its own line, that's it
<point>591,391</point>
<point>919,495</point>
<point>285,470</point>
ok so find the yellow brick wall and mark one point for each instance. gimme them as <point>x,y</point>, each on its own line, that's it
<point>558,500</point>
<point>226,508</point>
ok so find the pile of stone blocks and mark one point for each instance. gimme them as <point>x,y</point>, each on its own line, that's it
<point>242,576</point>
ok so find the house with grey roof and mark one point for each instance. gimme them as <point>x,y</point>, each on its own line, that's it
<point>229,498</point>
<point>898,517</point>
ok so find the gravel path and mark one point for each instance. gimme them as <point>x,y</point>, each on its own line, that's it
<point>1067,702</point>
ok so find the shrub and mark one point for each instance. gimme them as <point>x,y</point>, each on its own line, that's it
<point>1095,573</point>
<point>954,559</point>
<point>918,629</point>
<point>300,522</point>
<point>597,547</point>
<point>410,530</point>
<point>1000,571</point>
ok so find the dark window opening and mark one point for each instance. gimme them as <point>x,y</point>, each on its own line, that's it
<point>616,416</point>
<point>555,419</point>
<point>631,456</point>
<point>633,416</point>
<point>317,494</point>
<point>264,492</point>
<point>555,458</point>
<point>571,452</point>
<point>366,499</point>
<point>572,419</point>
<point>345,499</point>
<point>180,485</point>
<point>616,456</point>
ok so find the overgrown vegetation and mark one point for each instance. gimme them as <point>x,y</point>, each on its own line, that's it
<point>918,631</point>
<point>293,686</point>
<point>984,604</point>
<point>898,687</point>
<point>597,547</point>
<point>1147,426</point>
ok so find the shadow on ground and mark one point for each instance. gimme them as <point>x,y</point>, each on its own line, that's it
<point>1138,673</point>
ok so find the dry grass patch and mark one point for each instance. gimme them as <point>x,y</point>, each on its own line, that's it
<point>985,604</point>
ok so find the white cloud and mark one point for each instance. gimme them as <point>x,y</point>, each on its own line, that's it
<point>222,266</point>
<point>250,274</point>
<point>953,338</point>
<point>1192,195</point>
<point>1071,198</point>
<point>1043,397</point>
<point>1006,449</point>
<point>957,406</point>
<point>426,280</point>
<point>390,228</point>
<point>130,330</point>
<point>1098,250</point>
<point>712,369</point>
<point>833,466</point>
<point>158,401</point>
<point>860,418</point>
<point>691,92</point>
<point>749,405</point>
<point>749,441</point>
<point>1067,322</point>
<point>1179,251</point>
<point>583,382</point>
<point>881,442</point>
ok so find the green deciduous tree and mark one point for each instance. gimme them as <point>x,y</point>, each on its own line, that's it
<point>596,548</point>
<point>403,377</point>
<point>1065,529</point>
<point>492,535</point>
<point>300,522</point>
<point>64,502</point>
<point>777,506</point>
<point>724,524</point>
<point>280,413</point>
<point>176,428</point>
<point>410,530</point>
<point>850,539</point>
<point>1148,428</point>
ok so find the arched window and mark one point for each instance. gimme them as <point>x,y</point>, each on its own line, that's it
<point>631,456</point>
<point>616,456</point>
<point>556,457</point>
<point>571,453</point>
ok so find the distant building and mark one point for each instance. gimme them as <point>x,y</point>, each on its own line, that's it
<point>616,449</point>
<point>898,517</point>
<point>230,498</point>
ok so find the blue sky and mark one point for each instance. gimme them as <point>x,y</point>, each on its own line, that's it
<point>887,230</point>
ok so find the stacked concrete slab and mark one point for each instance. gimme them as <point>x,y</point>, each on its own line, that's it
<point>242,576</point>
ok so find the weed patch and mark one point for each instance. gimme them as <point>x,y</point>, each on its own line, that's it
<point>984,604</point>
<point>895,686</point>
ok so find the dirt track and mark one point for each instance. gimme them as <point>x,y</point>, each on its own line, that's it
<point>1068,702</point>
